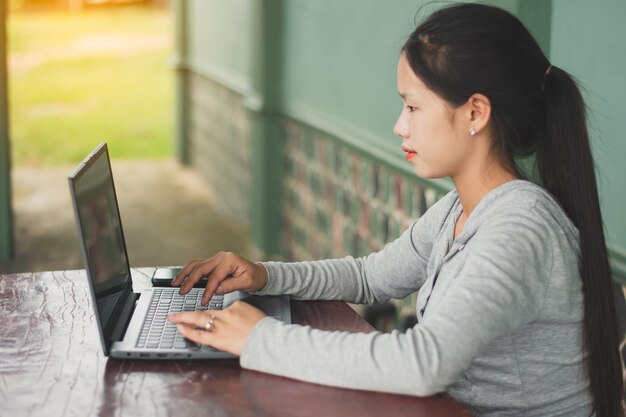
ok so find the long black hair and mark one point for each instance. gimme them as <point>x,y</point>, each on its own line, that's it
<point>537,110</point>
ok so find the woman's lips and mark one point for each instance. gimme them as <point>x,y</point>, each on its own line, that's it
<point>410,153</point>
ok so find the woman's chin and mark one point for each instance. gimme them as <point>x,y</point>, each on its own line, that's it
<point>427,173</point>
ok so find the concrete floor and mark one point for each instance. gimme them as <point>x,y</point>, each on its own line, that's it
<point>168,214</point>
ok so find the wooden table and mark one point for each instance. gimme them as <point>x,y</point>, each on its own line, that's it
<point>51,364</point>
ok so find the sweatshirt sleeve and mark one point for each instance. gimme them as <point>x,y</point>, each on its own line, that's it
<point>396,271</point>
<point>500,288</point>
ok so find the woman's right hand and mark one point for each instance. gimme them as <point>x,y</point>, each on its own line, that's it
<point>226,272</point>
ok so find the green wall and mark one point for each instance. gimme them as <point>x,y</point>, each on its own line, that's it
<point>218,39</point>
<point>339,64</point>
<point>588,41</point>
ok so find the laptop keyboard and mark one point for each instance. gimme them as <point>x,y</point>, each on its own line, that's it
<point>158,333</point>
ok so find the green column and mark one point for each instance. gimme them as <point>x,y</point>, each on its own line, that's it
<point>6,214</point>
<point>266,138</point>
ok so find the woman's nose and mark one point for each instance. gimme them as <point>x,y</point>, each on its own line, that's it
<point>400,128</point>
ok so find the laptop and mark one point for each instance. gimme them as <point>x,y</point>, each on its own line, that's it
<point>134,325</point>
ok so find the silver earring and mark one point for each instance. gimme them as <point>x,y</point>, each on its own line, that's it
<point>473,131</point>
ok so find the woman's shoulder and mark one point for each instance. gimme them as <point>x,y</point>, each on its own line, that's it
<point>517,199</point>
<point>528,202</point>
<point>516,193</point>
<point>508,197</point>
<point>523,195</point>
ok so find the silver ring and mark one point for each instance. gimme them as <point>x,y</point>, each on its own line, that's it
<point>208,326</point>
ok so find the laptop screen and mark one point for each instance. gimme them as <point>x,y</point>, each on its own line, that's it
<point>100,232</point>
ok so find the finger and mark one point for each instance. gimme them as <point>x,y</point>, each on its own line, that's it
<point>186,270</point>
<point>218,275</point>
<point>202,269</point>
<point>182,274</point>
<point>221,274</point>
<point>193,318</point>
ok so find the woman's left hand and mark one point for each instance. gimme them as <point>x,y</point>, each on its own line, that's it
<point>229,330</point>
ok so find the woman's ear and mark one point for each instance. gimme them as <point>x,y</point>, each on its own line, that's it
<point>479,108</point>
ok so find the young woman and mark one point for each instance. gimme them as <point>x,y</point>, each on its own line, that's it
<point>515,310</point>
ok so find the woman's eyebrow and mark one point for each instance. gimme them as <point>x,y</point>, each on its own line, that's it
<point>404,96</point>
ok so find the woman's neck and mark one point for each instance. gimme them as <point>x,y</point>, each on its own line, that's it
<point>473,186</point>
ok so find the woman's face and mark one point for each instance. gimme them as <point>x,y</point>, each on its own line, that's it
<point>434,136</point>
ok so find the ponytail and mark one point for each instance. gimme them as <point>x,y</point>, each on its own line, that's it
<point>566,169</point>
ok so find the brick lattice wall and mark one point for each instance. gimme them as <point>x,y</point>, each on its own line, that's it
<point>219,145</point>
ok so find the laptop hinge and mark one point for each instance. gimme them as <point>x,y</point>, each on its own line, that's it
<point>123,318</point>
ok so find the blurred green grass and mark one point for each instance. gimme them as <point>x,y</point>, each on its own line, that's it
<point>71,99</point>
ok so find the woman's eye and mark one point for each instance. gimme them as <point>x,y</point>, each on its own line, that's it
<point>411,109</point>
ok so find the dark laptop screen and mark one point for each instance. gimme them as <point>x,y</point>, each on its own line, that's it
<point>100,223</point>
<point>101,235</point>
